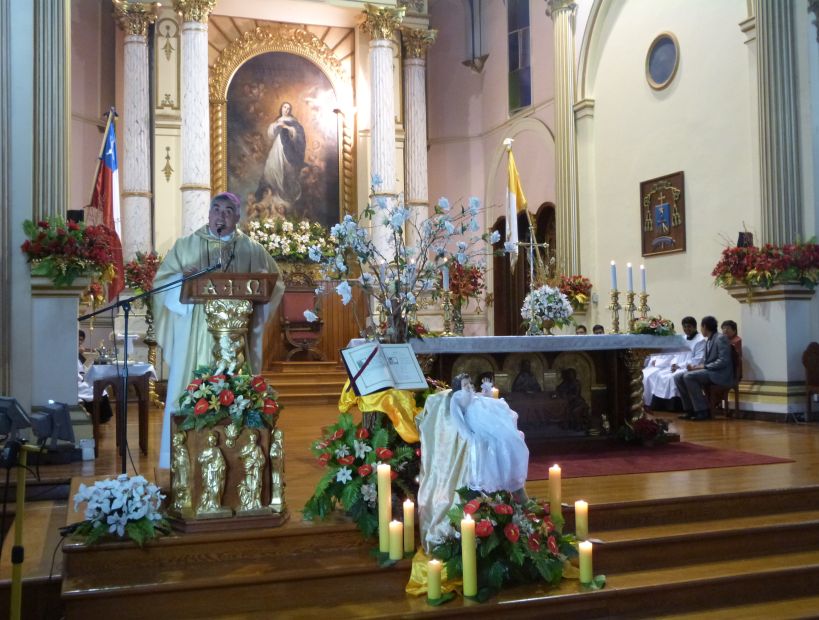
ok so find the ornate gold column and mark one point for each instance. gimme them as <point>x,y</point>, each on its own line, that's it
<point>416,195</point>
<point>380,23</point>
<point>52,106</point>
<point>195,114</point>
<point>778,94</point>
<point>134,18</point>
<point>568,212</point>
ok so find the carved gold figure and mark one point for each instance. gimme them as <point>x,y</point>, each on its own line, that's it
<point>277,472</point>
<point>250,488</point>
<point>212,463</point>
<point>181,474</point>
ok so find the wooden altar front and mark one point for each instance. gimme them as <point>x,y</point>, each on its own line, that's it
<point>559,385</point>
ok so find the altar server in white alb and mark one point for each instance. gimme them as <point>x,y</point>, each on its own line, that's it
<point>181,328</point>
<point>658,375</point>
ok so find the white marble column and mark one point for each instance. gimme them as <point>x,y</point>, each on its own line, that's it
<point>134,19</point>
<point>416,192</point>
<point>778,95</point>
<point>568,211</point>
<point>380,24</point>
<point>195,112</point>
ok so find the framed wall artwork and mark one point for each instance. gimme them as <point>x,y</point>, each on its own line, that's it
<point>280,138</point>
<point>662,214</point>
<point>662,60</point>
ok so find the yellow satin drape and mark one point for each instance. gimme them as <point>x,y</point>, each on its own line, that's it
<point>399,405</point>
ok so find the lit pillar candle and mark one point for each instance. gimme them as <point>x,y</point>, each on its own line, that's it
<point>554,490</point>
<point>384,507</point>
<point>630,278</point>
<point>445,277</point>
<point>613,276</point>
<point>409,525</point>
<point>586,571</point>
<point>468,557</point>
<point>642,278</point>
<point>434,580</point>
<point>396,540</point>
<point>581,519</point>
<point>495,392</point>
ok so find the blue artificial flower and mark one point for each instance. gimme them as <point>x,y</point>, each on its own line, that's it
<point>450,228</point>
<point>474,205</point>
<point>376,180</point>
<point>462,246</point>
<point>494,237</point>
<point>310,316</point>
<point>473,225</point>
<point>381,203</point>
<point>314,253</point>
<point>461,258</point>
<point>345,292</point>
<point>443,203</point>
<point>399,217</point>
<point>510,247</point>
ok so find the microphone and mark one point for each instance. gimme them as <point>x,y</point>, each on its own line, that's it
<point>219,229</point>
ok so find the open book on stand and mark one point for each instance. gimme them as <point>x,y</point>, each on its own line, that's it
<point>375,366</point>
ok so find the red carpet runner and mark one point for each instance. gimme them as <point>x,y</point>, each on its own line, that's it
<point>611,459</point>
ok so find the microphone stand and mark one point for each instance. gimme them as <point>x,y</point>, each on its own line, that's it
<point>122,395</point>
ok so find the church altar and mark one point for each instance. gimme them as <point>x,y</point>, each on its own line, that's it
<point>578,384</point>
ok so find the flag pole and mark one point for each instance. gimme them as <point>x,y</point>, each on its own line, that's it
<point>111,113</point>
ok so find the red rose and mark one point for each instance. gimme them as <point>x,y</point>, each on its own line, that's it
<point>534,543</point>
<point>201,406</point>
<point>270,406</point>
<point>362,433</point>
<point>385,454</point>
<point>552,545</point>
<point>393,474</point>
<point>503,509</point>
<point>258,384</point>
<point>337,435</point>
<point>226,397</point>
<point>471,507</point>
<point>484,528</point>
<point>512,532</point>
<point>365,470</point>
<point>324,459</point>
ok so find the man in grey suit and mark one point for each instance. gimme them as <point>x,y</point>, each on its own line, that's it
<point>716,369</point>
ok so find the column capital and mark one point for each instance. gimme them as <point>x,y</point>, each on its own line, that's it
<point>417,41</point>
<point>194,10</point>
<point>813,7</point>
<point>135,17</point>
<point>556,6</point>
<point>381,21</point>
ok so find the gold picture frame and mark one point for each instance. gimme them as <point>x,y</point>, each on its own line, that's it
<point>662,214</point>
<point>301,43</point>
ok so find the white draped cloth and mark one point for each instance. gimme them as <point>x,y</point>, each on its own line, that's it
<point>658,374</point>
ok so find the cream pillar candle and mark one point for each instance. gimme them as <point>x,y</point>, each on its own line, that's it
<point>586,571</point>
<point>555,490</point>
<point>434,580</point>
<point>495,392</point>
<point>409,525</point>
<point>384,506</point>
<point>581,519</point>
<point>396,540</point>
<point>468,556</point>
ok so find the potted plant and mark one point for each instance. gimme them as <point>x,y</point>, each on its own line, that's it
<point>544,308</point>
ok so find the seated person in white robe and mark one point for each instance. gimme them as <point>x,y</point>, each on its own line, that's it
<point>658,375</point>
<point>466,440</point>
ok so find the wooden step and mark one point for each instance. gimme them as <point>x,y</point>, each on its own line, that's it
<point>790,609</point>
<point>303,367</point>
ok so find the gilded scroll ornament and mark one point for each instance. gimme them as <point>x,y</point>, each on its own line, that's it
<point>381,21</point>
<point>277,472</point>
<point>228,320</point>
<point>194,10</point>
<point>181,474</point>
<point>417,41</point>
<point>250,488</point>
<point>212,464</point>
<point>135,17</point>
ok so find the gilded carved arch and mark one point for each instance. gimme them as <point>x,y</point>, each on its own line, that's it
<point>293,40</point>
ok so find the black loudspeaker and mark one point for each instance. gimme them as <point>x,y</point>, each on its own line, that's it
<point>76,215</point>
<point>745,240</point>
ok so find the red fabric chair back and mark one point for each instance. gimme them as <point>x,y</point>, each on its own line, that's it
<point>295,302</point>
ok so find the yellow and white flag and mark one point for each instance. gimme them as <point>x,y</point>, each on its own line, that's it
<point>515,203</point>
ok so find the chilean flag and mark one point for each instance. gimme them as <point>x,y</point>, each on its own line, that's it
<point>106,198</point>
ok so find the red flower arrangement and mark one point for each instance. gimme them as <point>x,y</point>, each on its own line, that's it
<point>141,271</point>
<point>576,288</point>
<point>645,429</point>
<point>63,251</point>
<point>768,265</point>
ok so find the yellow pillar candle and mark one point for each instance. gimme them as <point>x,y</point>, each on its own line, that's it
<point>384,507</point>
<point>434,580</point>
<point>468,556</point>
<point>581,519</point>
<point>409,525</point>
<point>554,490</point>
<point>396,540</point>
<point>586,572</point>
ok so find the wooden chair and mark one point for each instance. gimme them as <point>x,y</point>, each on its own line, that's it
<point>301,334</point>
<point>810,359</point>
<point>719,395</point>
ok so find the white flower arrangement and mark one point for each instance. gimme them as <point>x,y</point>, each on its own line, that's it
<point>122,507</point>
<point>545,304</point>
<point>286,240</point>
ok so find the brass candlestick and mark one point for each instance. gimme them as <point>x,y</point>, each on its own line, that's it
<point>447,307</point>
<point>630,309</point>
<point>614,306</point>
<point>644,305</point>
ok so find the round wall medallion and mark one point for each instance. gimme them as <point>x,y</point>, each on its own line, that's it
<point>662,60</point>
